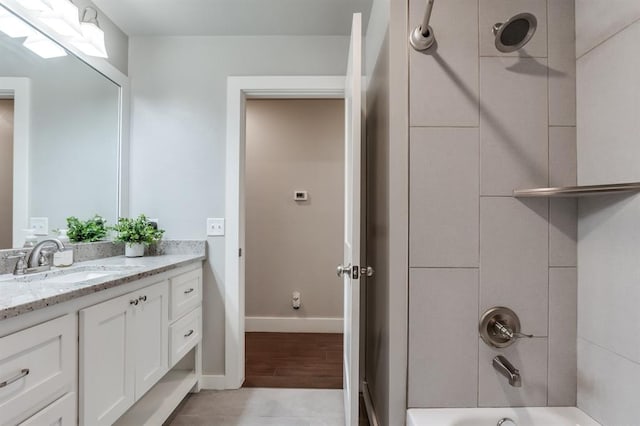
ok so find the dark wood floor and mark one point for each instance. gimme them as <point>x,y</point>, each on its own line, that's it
<point>293,360</point>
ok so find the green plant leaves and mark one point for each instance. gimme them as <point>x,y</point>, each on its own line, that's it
<point>138,230</point>
<point>89,231</point>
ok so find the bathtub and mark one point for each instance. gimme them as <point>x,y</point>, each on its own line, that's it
<point>525,416</point>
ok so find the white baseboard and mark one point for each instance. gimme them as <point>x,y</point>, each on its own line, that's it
<point>212,382</point>
<point>368,403</point>
<point>293,325</point>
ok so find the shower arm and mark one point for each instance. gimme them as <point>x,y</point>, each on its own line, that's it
<point>422,37</point>
<point>427,17</point>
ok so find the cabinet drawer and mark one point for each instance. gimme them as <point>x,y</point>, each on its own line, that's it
<point>60,413</point>
<point>37,365</point>
<point>186,293</point>
<point>185,334</point>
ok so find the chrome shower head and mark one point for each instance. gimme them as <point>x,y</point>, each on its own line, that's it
<point>515,33</point>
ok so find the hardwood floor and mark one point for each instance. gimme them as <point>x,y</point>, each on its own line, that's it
<point>293,360</point>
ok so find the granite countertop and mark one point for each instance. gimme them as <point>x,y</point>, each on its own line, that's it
<point>27,293</point>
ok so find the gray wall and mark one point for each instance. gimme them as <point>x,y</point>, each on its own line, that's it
<point>483,123</point>
<point>178,136</point>
<point>608,89</point>
<point>294,144</point>
<point>386,65</point>
<point>6,172</point>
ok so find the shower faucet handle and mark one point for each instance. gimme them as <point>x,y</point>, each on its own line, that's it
<point>508,333</point>
<point>500,327</point>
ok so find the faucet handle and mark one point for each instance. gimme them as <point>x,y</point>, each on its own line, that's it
<point>500,327</point>
<point>20,255</point>
<point>45,256</point>
<point>508,332</point>
<point>21,264</point>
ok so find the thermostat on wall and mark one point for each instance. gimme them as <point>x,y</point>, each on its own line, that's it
<point>300,195</point>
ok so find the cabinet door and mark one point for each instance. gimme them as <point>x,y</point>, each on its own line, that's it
<point>60,413</point>
<point>107,361</point>
<point>151,336</point>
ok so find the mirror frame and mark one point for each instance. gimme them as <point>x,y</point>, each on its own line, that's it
<point>17,88</point>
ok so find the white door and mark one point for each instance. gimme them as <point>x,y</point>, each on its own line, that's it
<point>350,268</point>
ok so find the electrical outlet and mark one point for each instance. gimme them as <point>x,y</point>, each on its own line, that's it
<point>215,227</point>
<point>155,221</point>
<point>40,225</point>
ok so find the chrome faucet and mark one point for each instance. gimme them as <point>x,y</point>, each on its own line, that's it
<point>504,367</point>
<point>37,260</point>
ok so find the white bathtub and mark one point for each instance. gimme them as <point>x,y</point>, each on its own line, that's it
<point>526,416</point>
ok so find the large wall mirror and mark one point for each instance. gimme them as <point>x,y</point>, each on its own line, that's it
<point>59,140</point>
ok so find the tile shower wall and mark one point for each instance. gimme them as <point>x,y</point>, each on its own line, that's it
<point>608,90</point>
<point>481,124</point>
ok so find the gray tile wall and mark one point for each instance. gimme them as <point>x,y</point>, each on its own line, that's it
<point>483,123</point>
<point>609,237</point>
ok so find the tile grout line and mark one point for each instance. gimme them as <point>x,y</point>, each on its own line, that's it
<point>479,157</point>
<point>607,39</point>
<point>548,204</point>
<point>609,350</point>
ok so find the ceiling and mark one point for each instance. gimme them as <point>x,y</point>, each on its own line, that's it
<point>234,17</point>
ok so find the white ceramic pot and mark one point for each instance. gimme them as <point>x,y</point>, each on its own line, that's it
<point>134,249</point>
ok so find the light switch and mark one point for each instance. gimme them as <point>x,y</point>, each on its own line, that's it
<point>40,225</point>
<point>215,227</point>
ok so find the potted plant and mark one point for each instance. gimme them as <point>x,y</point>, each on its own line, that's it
<point>88,231</point>
<point>136,234</point>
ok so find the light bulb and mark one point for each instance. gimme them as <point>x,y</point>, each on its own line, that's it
<point>63,18</point>
<point>92,41</point>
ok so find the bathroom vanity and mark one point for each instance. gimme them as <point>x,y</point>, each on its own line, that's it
<point>113,340</point>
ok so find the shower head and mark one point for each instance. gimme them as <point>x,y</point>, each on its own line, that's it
<point>515,33</point>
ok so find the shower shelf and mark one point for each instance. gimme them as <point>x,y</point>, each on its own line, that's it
<point>577,191</point>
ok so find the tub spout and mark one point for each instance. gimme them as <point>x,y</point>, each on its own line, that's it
<point>504,367</point>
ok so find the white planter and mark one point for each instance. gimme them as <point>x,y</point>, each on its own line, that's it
<point>134,249</point>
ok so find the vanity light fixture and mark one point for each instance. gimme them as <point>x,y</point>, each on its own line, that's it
<point>13,26</point>
<point>43,47</point>
<point>92,41</point>
<point>63,18</point>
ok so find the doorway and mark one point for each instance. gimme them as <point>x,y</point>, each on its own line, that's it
<point>294,207</point>
<point>6,172</point>
<point>239,90</point>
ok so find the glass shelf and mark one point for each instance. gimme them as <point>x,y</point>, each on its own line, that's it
<point>577,191</point>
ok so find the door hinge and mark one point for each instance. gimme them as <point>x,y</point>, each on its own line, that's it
<point>240,252</point>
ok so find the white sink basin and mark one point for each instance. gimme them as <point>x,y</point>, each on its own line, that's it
<point>72,275</point>
<point>81,276</point>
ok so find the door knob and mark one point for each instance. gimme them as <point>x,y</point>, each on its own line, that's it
<point>343,270</point>
<point>368,271</point>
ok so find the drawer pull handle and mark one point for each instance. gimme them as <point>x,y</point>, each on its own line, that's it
<point>15,378</point>
<point>188,291</point>
<point>189,333</point>
<point>134,302</point>
<point>142,298</point>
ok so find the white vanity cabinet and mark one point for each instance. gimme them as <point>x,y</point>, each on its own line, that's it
<point>123,352</point>
<point>37,366</point>
<point>134,365</point>
<point>60,413</point>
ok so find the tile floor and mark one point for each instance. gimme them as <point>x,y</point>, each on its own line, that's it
<point>261,406</point>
